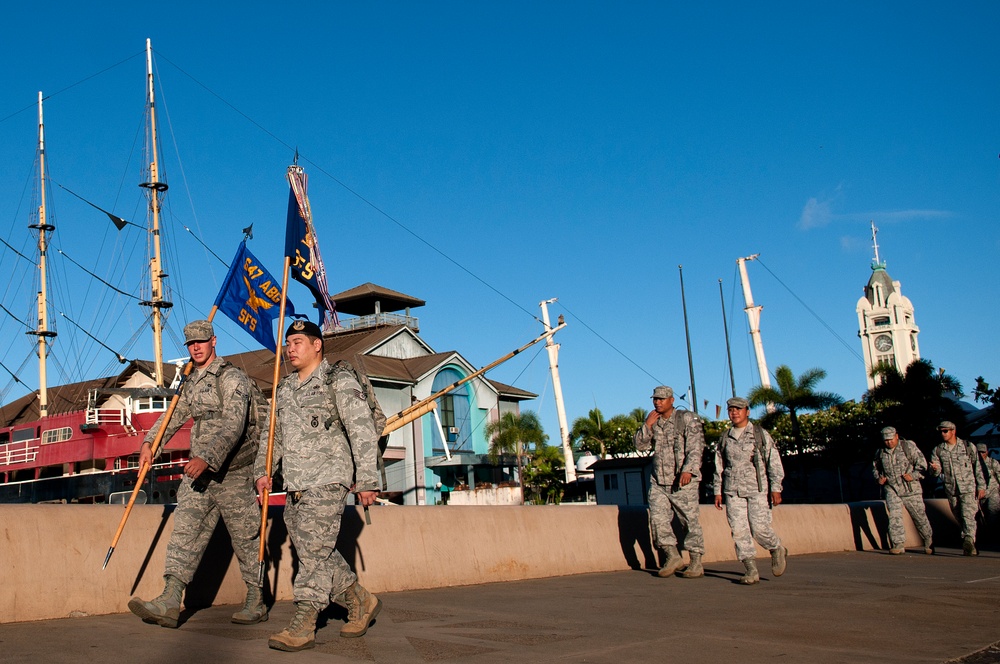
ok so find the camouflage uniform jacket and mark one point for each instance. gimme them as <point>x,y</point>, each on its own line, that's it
<point>324,432</point>
<point>738,466</point>
<point>217,435</point>
<point>991,474</point>
<point>959,468</point>
<point>904,459</point>
<point>678,442</point>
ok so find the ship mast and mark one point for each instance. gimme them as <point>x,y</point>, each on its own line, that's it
<point>154,189</point>
<point>753,316</point>
<point>43,227</point>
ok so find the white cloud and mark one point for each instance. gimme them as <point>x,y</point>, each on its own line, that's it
<point>815,214</point>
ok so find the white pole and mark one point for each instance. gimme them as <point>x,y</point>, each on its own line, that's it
<point>753,316</point>
<point>553,350</point>
<point>444,439</point>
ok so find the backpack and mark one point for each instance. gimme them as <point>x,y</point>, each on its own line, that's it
<point>378,416</point>
<point>245,453</point>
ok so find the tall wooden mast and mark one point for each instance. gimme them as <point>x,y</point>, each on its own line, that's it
<point>154,189</point>
<point>42,226</point>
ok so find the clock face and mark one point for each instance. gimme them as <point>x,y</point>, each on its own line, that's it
<point>883,342</point>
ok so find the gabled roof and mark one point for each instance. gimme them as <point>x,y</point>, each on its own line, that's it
<point>513,393</point>
<point>360,300</point>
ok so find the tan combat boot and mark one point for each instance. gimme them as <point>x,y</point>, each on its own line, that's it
<point>694,569</point>
<point>300,633</point>
<point>752,577</point>
<point>674,562</point>
<point>165,610</point>
<point>254,610</point>
<point>778,560</point>
<point>362,607</point>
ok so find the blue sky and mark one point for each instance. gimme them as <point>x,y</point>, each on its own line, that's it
<point>579,150</point>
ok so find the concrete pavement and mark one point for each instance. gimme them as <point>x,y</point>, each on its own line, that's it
<point>845,607</point>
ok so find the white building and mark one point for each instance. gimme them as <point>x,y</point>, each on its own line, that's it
<point>886,324</point>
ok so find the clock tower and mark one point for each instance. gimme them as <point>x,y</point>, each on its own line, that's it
<point>885,321</point>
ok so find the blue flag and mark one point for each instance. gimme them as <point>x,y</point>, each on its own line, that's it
<point>302,247</point>
<point>251,297</point>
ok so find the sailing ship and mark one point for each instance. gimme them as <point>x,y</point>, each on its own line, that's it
<point>79,442</point>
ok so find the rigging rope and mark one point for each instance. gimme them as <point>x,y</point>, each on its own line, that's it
<point>815,315</point>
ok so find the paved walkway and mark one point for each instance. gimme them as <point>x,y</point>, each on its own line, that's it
<point>850,607</point>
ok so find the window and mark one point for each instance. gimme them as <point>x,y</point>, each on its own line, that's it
<point>455,408</point>
<point>57,435</point>
<point>150,404</point>
<point>610,482</point>
<point>886,359</point>
<point>24,434</point>
<point>881,321</point>
<point>131,461</point>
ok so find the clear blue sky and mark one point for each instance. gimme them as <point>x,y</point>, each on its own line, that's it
<point>579,150</point>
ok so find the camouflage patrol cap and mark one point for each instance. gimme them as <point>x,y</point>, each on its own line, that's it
<point>306,327</point>
<point>198,330</point>
<point>662,392</point>
<point>981,447</point>
<point>888,433</point>
<point>737,402</point>
<point>946,425</point>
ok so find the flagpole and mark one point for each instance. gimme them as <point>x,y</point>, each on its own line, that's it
<point>153,448</point>
<point>265,493</point>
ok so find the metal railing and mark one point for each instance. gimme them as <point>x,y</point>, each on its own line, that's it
<point>375,320</point>
<point>23,451</point>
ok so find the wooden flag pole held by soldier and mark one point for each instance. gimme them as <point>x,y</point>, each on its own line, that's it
<point>265,494</point>
<point>154,448</point>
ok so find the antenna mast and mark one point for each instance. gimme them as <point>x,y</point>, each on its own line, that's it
<point>553,350</point>
<point>154,188</point>
<point>877,262</point>
<point>753,317</point>
<point>43,227</point>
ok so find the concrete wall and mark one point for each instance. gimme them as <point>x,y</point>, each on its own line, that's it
<point>52,554</point>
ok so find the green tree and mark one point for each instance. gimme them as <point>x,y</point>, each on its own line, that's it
<point>916,400</point>
<point>591,433</point>
<point>793,395</point>
<point>544,475</point>
<point>990,396</point>
<point>621,432</point>
<point>511,434</point>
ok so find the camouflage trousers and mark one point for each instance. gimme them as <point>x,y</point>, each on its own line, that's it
<point>198,512</point>
<point>914,504</point>
<point>313,523</point>
<point>964,507</point>
<point>664,504</point>
<point>750,519</point>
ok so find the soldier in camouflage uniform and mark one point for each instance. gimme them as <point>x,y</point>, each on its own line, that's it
<point>899,466</point>
<point>990,469</point>
<point>678,439</point>
<point>748,473</point>
<point>956,461</point>
<point>218,480</point>
<point>326,445</point>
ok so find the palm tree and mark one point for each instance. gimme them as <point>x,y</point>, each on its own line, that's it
<point>509,435</point>
<point>916,400</point>
<point>793,395</point>
<point>591,432</point>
